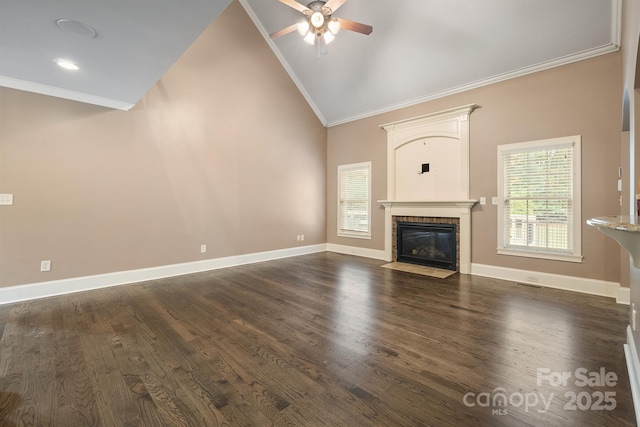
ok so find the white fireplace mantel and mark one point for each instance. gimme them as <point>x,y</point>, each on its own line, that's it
<point>428,173</point>
<point>432,208</point>
<point>429,204</point>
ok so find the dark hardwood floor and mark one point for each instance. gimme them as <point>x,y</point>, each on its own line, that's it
<point>323,339</point>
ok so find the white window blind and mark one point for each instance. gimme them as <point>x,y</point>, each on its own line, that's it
<point>353,200</point>
<point>539,209</point>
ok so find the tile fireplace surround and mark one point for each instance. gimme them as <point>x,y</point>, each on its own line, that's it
<point>432,209</point>
<point>423,220</point>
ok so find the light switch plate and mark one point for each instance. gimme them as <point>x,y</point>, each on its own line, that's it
<point>494,200</point>
<point>6,199</point>
<point>483,201</point>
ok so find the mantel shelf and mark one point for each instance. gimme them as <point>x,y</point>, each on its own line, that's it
<point>429,203</point>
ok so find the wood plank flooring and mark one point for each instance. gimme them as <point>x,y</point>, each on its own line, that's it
<point>316,340</point>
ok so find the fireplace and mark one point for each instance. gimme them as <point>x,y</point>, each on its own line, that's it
<point>433,245</point>
<point>428,179</point>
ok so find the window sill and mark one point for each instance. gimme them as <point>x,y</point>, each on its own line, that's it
<point>541,255</point>
<point>355,235</point>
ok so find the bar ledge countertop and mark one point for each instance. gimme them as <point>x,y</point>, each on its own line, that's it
<point>619,222</point>
<point>624,229</point>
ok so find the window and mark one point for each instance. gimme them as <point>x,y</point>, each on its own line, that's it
<point>539,199</point>
<point>354,205</point>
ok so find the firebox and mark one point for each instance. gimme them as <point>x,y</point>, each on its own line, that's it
<point>433,245</point>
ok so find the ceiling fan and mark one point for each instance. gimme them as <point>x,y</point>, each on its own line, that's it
<point>320,27</point>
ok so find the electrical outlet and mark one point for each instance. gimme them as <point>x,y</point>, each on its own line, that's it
<point>6,199</point>
<point>203,249</point>
<point>45,265</point>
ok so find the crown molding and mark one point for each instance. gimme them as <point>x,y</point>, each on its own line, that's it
<point>612,46</point>
<point>580,56</point>
<point>283,61</point>
<point>43,89</point>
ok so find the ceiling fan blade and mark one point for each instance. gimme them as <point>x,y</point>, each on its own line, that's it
<point>282,32</point>
<point>297,6</point>
<point>334,4</point>
<point>355,26</point>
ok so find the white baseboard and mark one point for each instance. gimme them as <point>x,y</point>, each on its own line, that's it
<point>77,284</point>
<point>353,250</point>
<point>633,367</point>
<point>624,296</point>
<point>549,280</point>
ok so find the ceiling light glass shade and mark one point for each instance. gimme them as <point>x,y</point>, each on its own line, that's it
<point>317,19</point>
<point>310,37</point>
<point>334,26</point>
<point>328,37</point>
<point>303,27</point>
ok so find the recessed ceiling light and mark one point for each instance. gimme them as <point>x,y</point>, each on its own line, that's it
<point>67,65</point>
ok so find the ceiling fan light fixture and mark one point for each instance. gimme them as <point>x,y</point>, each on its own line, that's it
<point>317,19</point>
<point>320,27</point>
<point>303,27</point>
<point>328,37</point>
<point>334,26</point>
<point>310,38</point>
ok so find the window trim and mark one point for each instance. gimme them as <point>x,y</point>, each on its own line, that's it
<point>355,234</point>
<point>576,142</point>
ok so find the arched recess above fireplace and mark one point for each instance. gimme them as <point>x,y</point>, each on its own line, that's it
<point>428,156</point>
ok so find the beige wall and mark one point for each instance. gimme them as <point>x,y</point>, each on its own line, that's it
<point>222,151</point>
<point>580,98</point>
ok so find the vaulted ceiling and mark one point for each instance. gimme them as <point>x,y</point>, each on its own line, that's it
<point>121,47</point>
<point>418,50</point>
